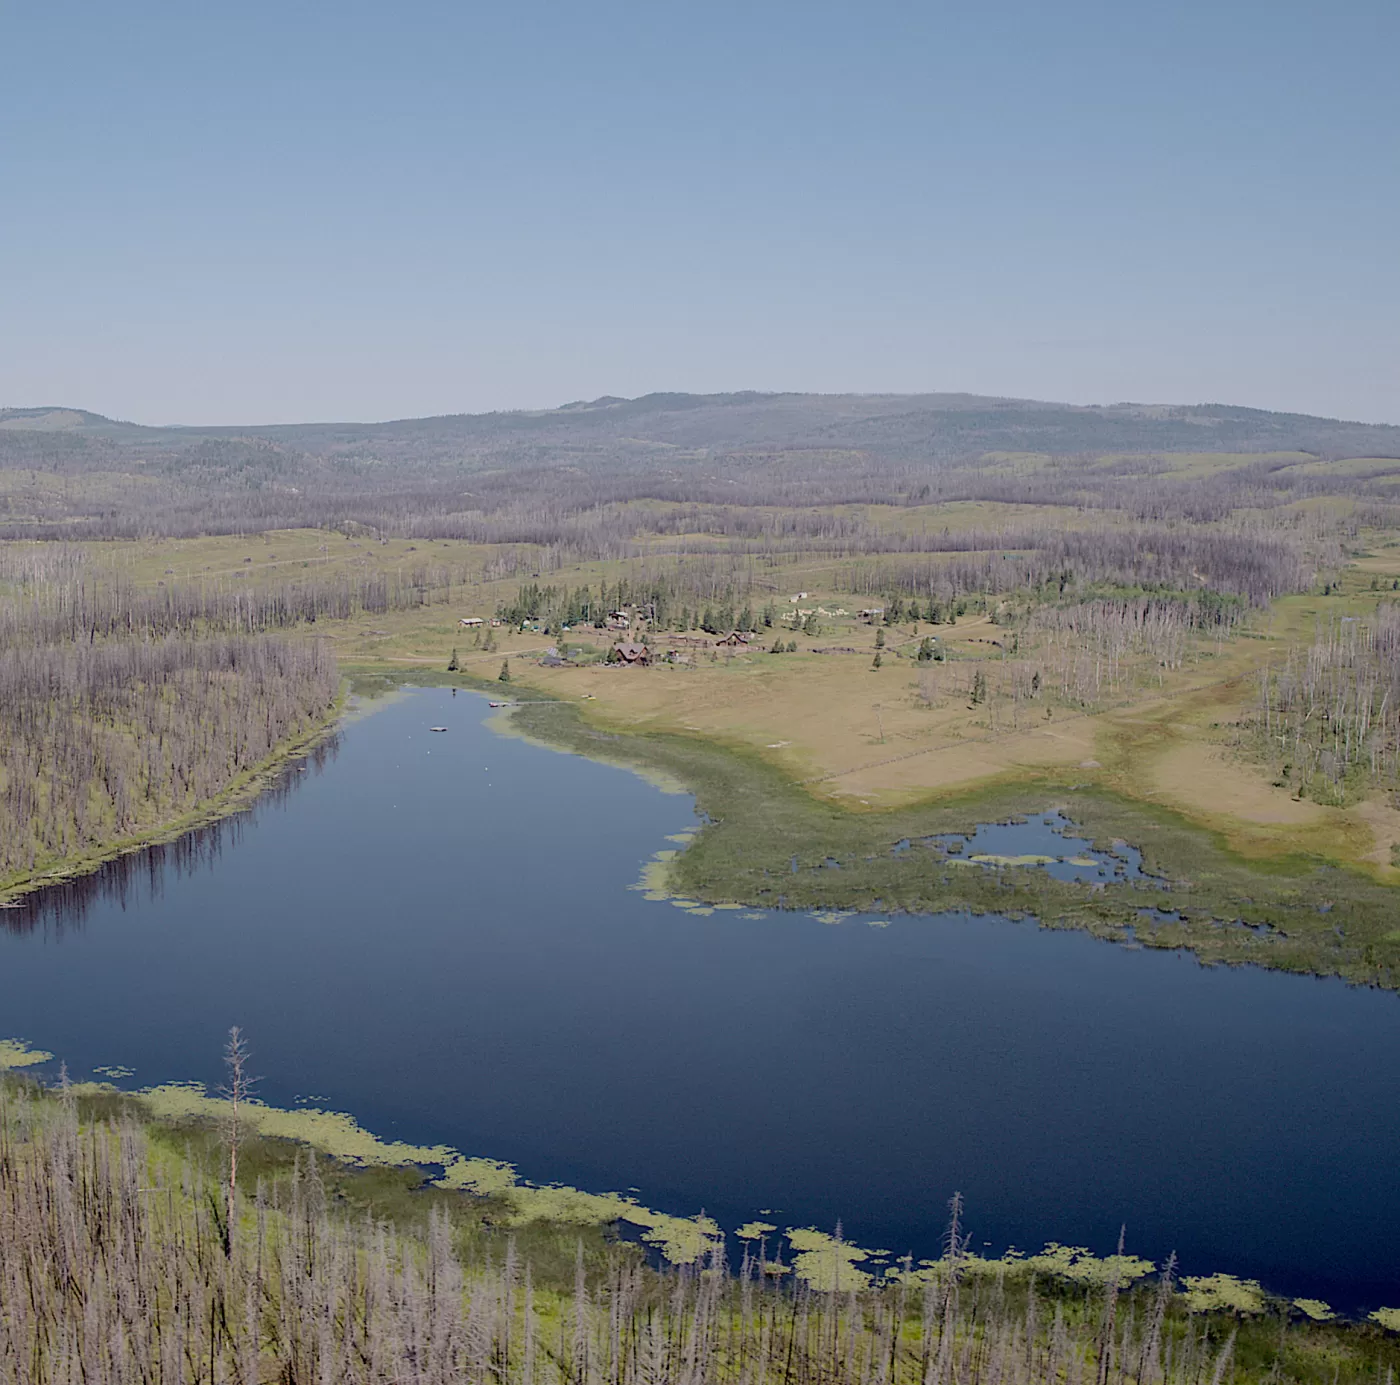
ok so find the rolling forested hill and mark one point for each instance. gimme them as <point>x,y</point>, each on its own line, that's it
<point>88,475</point>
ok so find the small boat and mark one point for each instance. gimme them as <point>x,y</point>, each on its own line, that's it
<point>437,728</point>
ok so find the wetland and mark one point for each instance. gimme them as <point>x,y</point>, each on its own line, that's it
<point>434,933</point>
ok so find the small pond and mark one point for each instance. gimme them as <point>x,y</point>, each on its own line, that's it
<point>435,933</point>
<point>1049,842</point>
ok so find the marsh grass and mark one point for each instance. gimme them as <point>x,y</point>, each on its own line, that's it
<point>119,1263</point>
<point>767,840</point>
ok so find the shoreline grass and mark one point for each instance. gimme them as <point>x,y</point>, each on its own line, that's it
<point>308,1269</point>
<point>766,842</point>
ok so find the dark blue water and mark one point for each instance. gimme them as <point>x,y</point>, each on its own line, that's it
<point>435,933</point>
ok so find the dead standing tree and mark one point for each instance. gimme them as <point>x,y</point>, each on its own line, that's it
<point>236,1089</point>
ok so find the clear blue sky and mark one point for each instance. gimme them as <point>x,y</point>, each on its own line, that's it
<point>255,211</point>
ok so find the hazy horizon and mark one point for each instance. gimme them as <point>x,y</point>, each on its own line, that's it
<point>265,215</point>
<point>567,403</point>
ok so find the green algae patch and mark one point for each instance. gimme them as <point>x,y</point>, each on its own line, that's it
<point>1076,1265</point>
<point>652,882</point>
<point>754,1230</point>
<point>682,1240</point>
<point>825,1263</point>
<point>15,1053</point>
<point>1388,1318</point>
<point>1222,1293</point>
<point>484,1177</point>
<point>1315,1309</point>
<point>1073,1265</point>
<point>332,1132</point>
<point>557,1203</point>
<point>989,859</point>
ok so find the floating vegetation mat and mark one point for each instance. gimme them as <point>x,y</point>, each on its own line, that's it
<point>15,1053</point>
<point>821,1261</point>
<point>681,1240</point>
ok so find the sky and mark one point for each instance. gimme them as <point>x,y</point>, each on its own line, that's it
<point>264,212</point>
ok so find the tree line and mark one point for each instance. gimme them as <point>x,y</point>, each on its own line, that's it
<point>124,709</point>
<point>100,741</point>
<point>1329,715</point>
<point>122,1265</point>
<point>91,607</point>
<point>134,876</point>
<point>1231,561</point>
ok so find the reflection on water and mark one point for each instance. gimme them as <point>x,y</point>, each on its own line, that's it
<point>139,876</point>
<point>435,933</point>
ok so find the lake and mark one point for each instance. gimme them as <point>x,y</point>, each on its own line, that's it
<point>435,933</point>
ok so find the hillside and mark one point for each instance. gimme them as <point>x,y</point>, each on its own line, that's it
<point>76,473</point>
<point>896,428</point>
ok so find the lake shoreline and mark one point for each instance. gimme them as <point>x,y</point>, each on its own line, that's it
<point>851,1009</point>
<point>768,843</point>
<point>238,795</point>
<point>385,1178</point>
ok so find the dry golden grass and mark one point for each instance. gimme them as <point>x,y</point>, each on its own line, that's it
<point>1204,778</point>
<point>831,719</point>
<point>881,738</point>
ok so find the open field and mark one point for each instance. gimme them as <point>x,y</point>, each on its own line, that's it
<point>869,738</point>
<point>872,738</point>
<point>1198,636</point>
